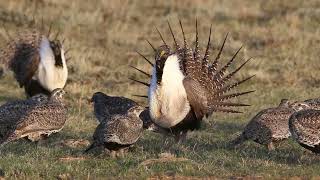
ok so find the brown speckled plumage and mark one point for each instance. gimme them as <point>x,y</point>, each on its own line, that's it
<point>106,106</point>
<point>269,125</point>
<point>305,129</point>
<point>313,103</point>
<point>32,118</point>
<point>121,122</point>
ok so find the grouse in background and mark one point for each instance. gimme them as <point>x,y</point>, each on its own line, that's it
<point>37,61</point>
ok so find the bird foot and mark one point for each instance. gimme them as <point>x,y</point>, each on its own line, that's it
<point>166,155</point>
<point>118,154</point>
<point>270,147</point>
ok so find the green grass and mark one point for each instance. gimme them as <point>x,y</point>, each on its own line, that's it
<point>282,37</point>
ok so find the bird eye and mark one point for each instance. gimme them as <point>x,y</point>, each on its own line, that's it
<point>162,53</point>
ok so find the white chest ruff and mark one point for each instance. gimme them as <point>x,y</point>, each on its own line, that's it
<point>168,102</point>
<point>48,75</point>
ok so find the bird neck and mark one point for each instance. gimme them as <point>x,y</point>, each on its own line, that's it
<point>58,61</point>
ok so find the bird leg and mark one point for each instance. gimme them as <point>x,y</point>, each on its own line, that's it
<point>120,153</point>
<point>113,154</point>
<point>181,138</point>
<point>166,145</point>
<point>165,142</point>
<point>270,146</point>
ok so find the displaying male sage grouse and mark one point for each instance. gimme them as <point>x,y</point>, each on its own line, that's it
<point>185,87</point>
<point>38,62</point>
<point>121,123</point>
<point>305,129</point>
<point>34,118</point>
<point>270,125</point>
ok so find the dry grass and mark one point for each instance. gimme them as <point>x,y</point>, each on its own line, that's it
<point>282,36</point>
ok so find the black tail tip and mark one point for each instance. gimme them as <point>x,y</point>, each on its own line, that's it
<point>92,146</point>
<point>236,142</point>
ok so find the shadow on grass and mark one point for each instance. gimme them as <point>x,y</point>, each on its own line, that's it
<point>207,138</point>
<point>52,144</point>
<point>217,140</point>
<point>7,98</point>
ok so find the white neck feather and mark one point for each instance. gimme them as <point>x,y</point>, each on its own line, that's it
<point>168,102</point>
<point>49,75</point>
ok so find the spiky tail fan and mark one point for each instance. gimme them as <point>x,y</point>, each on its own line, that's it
<point>216,82</point>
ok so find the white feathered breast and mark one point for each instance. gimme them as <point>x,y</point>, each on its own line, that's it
<point>168,102</point>
<point>49,75</point>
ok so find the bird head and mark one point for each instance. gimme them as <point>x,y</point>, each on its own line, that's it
<point>298,106</point>
<point>98,97</point>
<point>284,103</point>
<point>162,54</point>
<point>57,52</point>
<point>136,110</point>
<point>40,98</point>
<point>57,94</point>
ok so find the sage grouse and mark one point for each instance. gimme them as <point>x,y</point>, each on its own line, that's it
<point>270,125</point>
<point>38,62</point>
<point>305,129</point>
<point>185,87</point>
<point>34,118</point>
<point>121,123</point>
<point>313,103</point>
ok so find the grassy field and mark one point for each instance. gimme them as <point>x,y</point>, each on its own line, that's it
<point>283,38</point>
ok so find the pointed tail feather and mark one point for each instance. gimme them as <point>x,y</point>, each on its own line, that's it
<point>218,109</point>
<point>189,63</point>
<point>174,38</point>
<point>229,76</point>
<point>229,96</point>
<point>145,58</point>
<point>144,83</point>
<point>196,53</point>
<point>49,31</point>
<point>141,96</point>
<point>143,72</point>
<point>164,42</point>
<point>218,76</point>
<point>67,51</point>
<point>57,34</point>
<point>227,104</point>
<point>231,86</point>
<point>205,60</point>
<point>214,65</point>
<point>184,37</point>
<point>221,48</point>
<point>63,41</point>
<point>154,49</point>
<point>42,25</point>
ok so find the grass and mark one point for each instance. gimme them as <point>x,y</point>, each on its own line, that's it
<point>282,37</point>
